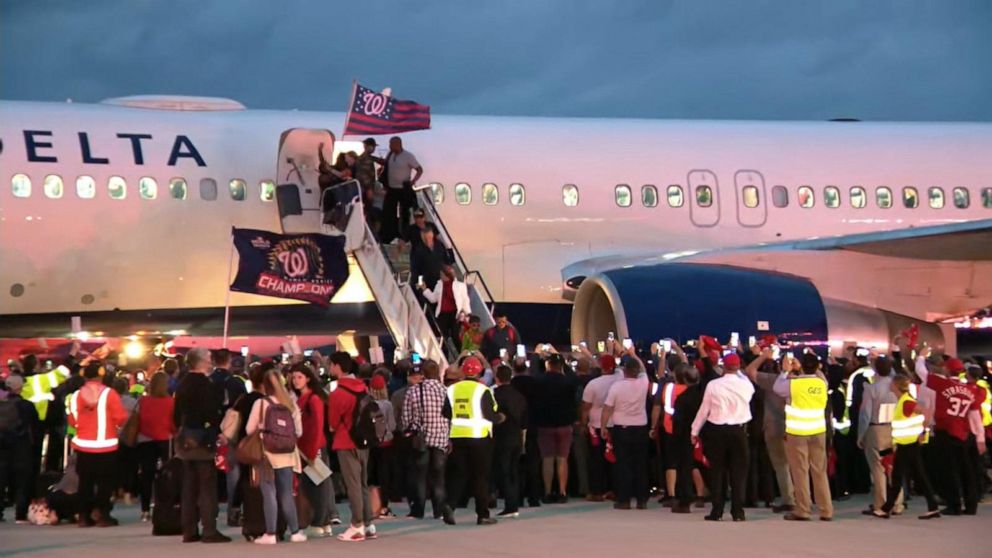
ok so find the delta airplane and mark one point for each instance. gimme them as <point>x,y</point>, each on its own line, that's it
<point>823,232</point>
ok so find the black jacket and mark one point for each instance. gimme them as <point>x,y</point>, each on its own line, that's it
<point>428,261</point>
<point>199,402</point>
<point>686,407</point>
<point>513,405</point>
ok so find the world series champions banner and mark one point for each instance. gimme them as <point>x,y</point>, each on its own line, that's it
<point>310,267</point>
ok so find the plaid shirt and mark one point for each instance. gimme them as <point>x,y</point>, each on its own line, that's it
<point>429,418</point>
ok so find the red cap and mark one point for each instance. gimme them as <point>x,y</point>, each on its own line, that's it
<point>954,365</point>
<point>767,340</point>
<point>710,343</point>
<point>471,367</point>
<point>732,360</point>
<point>378,382</point>
<point>607,362</point>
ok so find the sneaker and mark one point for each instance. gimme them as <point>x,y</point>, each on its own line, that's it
<point>370,532</point>
<point>317,532</point>
<point>508,514</point>
<point>298,536</point>
<point>265,539</point>
<point>386,513</point>
<point>353,534</point>
<point>335,521</point>
<point>216,538</point>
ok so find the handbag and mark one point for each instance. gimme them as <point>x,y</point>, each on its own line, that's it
<point>250,450</point>
<point>129,434</point>
<point>230,426</point>
<point>418,438</point>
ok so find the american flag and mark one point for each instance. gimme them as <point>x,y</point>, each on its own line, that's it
<point>373,113</point>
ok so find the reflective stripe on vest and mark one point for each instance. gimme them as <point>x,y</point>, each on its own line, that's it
<point>467,420</point>
<point>38,389</point>
<point>842,426</point>
<point>906,429</point>
<point>987,404</point>
<point>869,375</point>
<point>804,414</point>
<point>101,441</point>
<point>669,395</point>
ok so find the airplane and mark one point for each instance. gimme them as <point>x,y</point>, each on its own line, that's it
<point>120,212</point>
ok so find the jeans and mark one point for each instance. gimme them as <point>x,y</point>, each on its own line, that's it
<point>97,472</point>
<point>199,503</point>
<point>149,454</point>
<point>429,462</point>
<point>277,496</point>
<point>231,478</point>
<point>506,469</point>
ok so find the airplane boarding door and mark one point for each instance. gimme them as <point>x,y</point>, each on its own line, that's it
<point>752,204</point>
<point>704,198</point>
<point>298,193</point>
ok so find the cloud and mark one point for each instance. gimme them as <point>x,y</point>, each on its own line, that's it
<point>883,60</point>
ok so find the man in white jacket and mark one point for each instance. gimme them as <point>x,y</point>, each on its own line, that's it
<point>450,297</point>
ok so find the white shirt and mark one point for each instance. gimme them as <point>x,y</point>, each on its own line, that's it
<point>463,304</point>
<point>727,400</point>
<point>595,394</point>
<point>629,399</point>
<point>400,166</point>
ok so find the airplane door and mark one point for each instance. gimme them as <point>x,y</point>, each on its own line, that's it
<point>752,204</point>
<point>704,198</point>
<point>298,193</point>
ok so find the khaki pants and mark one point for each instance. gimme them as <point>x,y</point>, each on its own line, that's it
<point>776,454</point>
<point>808,460</point>
<point>878,437</point>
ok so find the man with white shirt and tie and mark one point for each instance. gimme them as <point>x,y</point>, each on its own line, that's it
<point>725,412</point>
<point>875,431</point>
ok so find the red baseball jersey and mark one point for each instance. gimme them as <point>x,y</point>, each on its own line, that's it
<point>954,401</point>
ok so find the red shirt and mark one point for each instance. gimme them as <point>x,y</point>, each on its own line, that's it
<point>155,417</point>
<point>954,400</point>
<point>312,417</point>
<point>340,408</point>
<point>448,297</point>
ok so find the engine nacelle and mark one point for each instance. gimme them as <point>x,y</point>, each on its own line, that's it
<point>682,301</point>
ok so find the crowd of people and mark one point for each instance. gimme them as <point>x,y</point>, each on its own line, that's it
<point>792,432</point>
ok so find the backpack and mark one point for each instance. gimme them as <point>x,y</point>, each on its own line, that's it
<point>368,423</point>
<point>10,419</point>
<point>278,428</point>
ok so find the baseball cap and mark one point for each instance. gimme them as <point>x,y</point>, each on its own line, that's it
<point>732,360</point>
<point>378,382</point>
<point>418,213</point>
<point>954,365</point>
<point>472,367</point>
<point>607,362</point>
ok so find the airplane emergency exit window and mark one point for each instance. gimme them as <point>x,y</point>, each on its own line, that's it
<point>517,194</point>
<point>807,197</point>
<point>675,196</point>
<point>178,188</point>
<point>570,195</point>
<point>208,189</point>
<point>53,186</point>
<point>704,195</point>
<point>750,196</point>
<point>490,194</point>
<point>649,196</point>
<point>780,196</point>
<point>987,198</point>
<point>883,197</point>
<point>910,198</point>
<point>239,190</point>
<point>267,190</point>
<point>859,198</point>
<point>463,193</point>
<point>962,198</point>
<point>936,195</point>
<point>21,185</point>
<point>117,188</point>
<point>437,191</point>
<point>85,187</point>
<point>622,195</point>
<point>831,197</point>
<point>148,188</point>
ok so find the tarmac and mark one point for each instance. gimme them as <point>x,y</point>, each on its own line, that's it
<point>574,530</point>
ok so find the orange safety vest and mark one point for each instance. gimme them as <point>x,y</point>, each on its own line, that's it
<point>671,392</point>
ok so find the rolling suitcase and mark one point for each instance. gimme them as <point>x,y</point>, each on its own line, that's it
<point>167,499</point>
<point>252,509</point>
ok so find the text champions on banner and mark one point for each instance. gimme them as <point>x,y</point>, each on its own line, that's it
<point>310,267</point>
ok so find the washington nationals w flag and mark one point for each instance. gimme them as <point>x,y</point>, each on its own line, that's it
<point>373,114</point>
<point>310,267</point>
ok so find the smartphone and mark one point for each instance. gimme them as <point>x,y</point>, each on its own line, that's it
<point>601,347</point>
<point>862,352</point>
<point>752,341</point>
<point>575,348</point>
<point>308,353</point>
<point>611,337</point>
<point>140,377</point>
<point>583,345</point>
<point>415,357</point>
<point>420,281</point>
<point>776,351</point>
<point>692,343</point>
<point>244,350</point>
<point>735,339</point>
<point>502,354</point>
<point>521,351</point>
<point>627,343</point>
<point>285,358</point>
<point>667,345</point>
<point>790,354</point>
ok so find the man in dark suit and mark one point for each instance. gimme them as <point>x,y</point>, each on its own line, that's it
<point>509,441</point>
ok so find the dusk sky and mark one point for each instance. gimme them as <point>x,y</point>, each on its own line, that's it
<point>760,59</point>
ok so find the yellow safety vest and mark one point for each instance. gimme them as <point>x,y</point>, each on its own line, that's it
<point>906,429</point>
<point>842,426</point>
<point>38,389</point>
<point>986,407</point>
<point>804,413</point>
<point>467,420</point>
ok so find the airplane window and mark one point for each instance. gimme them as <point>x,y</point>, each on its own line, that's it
<point>831,196</point>
<point>570,195</point>
<point>675,197</point>
<point>267,190</point>
<point>883,197</point>
<point>517,194</point>
<point>750,196</point>
<point>780,196</point>
<point>208,189</point>
<point>178,189</point>
<point>807,197</point>
<point>148,188</point>
<point>910,198</point>
<point>859,198</point>
<point>21,185</point>
<point>437,190</point>
<point>117,188</point>
<point>53,186</point>
<point>463,193</point>
<point>85,187</point>
<point>622,194</point>
<point>987,198</point>
<point>649,195</point>
<point>704,195</point>
<point>238,189</point>
<point>490,193</point>
<point>936,197</point>
<point>962,198</point>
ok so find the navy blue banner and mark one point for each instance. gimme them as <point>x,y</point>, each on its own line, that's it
<point>310,267</point>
